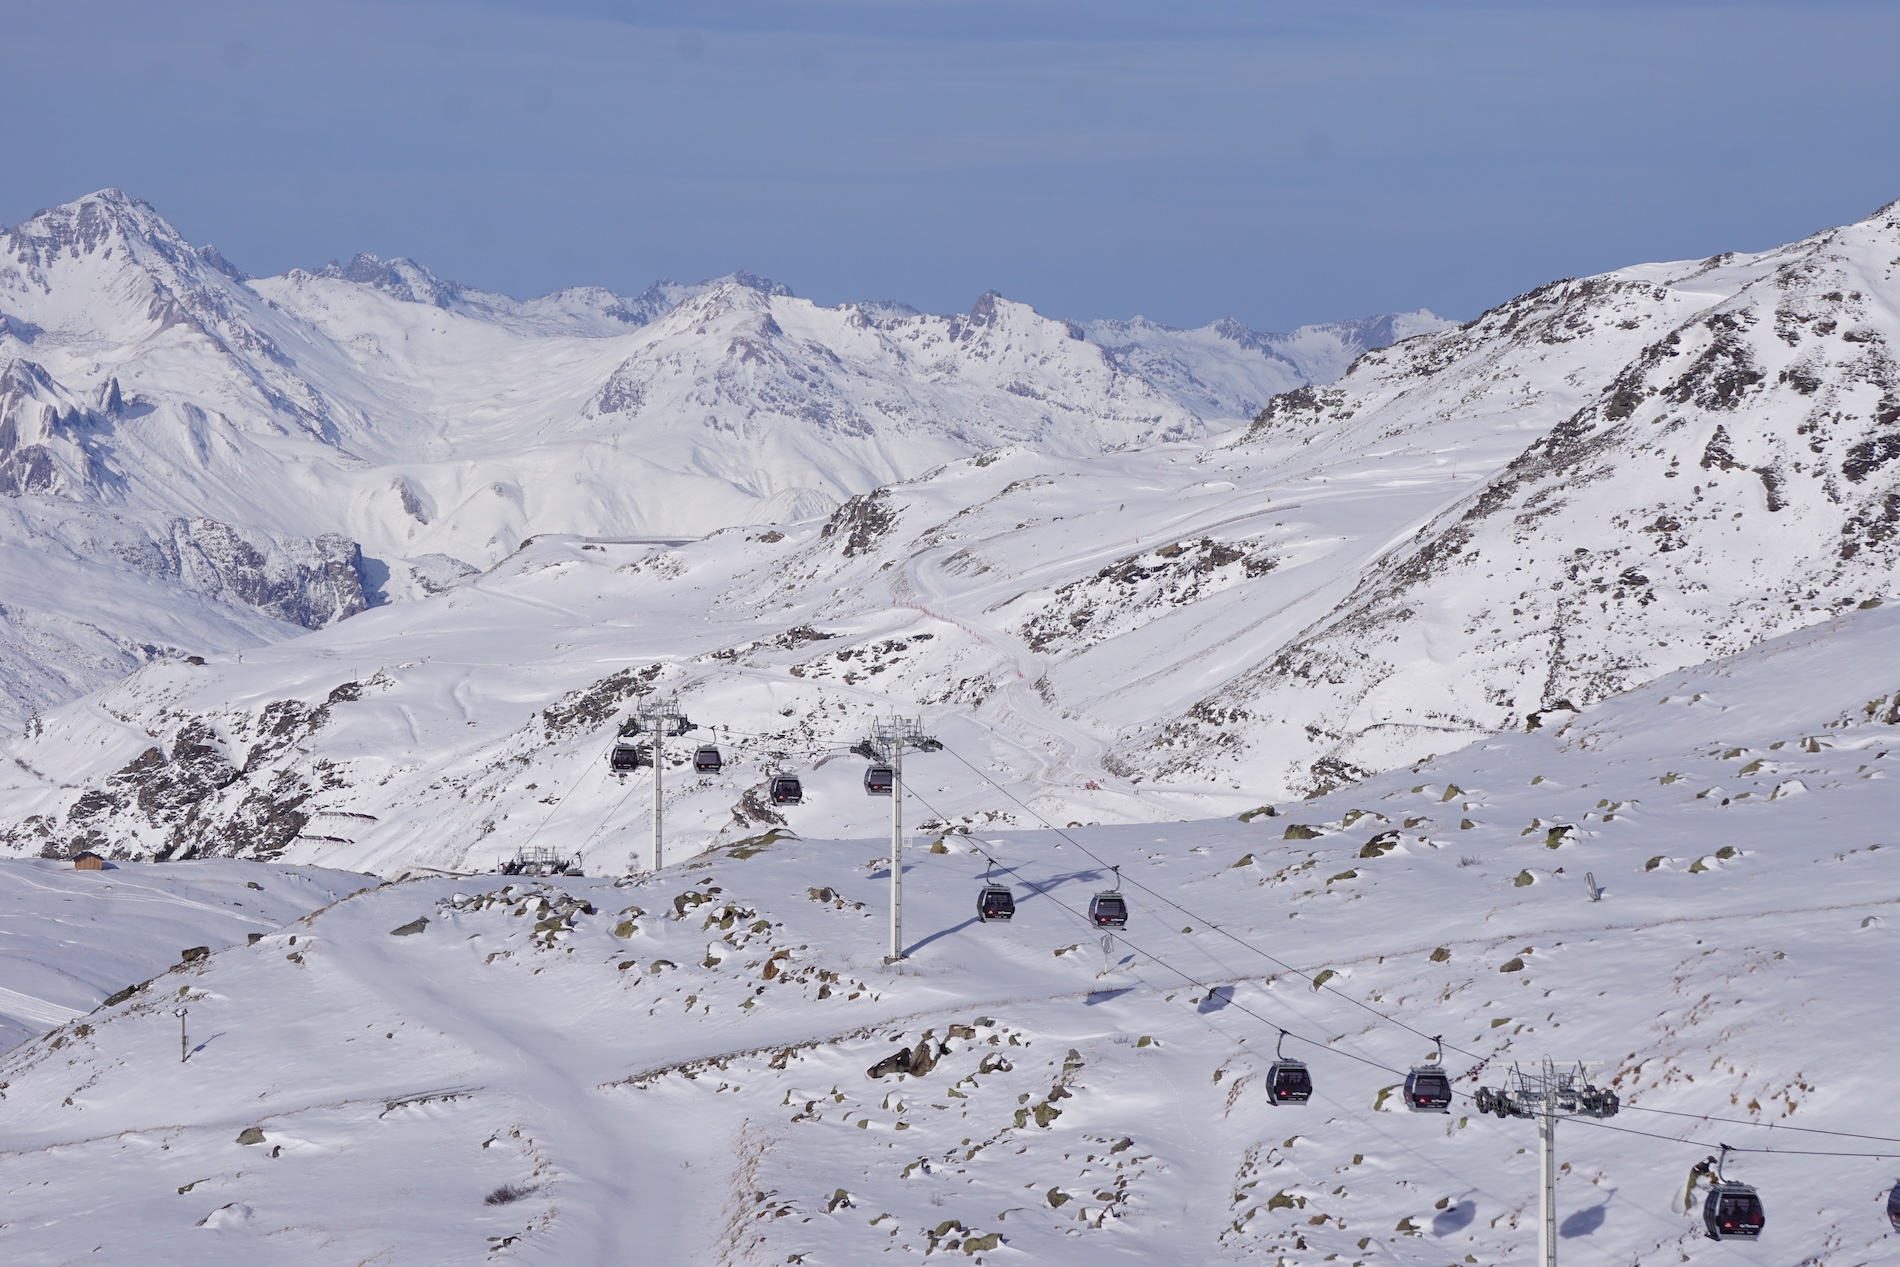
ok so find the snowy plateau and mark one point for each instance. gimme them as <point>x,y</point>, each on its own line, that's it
<point>1523,688</point>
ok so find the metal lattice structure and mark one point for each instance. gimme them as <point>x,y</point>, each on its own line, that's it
<point>1547,1092</point>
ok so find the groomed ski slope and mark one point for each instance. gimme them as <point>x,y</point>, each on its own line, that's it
<point>678,1073</point>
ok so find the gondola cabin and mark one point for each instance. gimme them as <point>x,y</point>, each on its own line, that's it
<point>624,758</point>
<point>1893,1207</point>
<point>995,902</point>
<point>787,790</point>
<point>878,780</point>
<point>1733,1211</point>
<point>1108,910</point>
<point>1288,1082</point>
<point>707,760</point>
<point>1428,1090</point>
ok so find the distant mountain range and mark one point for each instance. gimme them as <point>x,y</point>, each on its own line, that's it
<point>193,460</point>
<point>1475,530</point>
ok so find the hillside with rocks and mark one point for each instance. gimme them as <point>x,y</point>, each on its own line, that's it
<point>1689,886</point>
<point>1725,477</point>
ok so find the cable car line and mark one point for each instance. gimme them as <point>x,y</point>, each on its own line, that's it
<point>1771,1126</point>
<point>571,789</point>
<point>1198,984</point>
<point>1799,1152</point>
<point>1188,977</point>
<point>581,852</point>
<point>1212,924</point>
<point>1192,980</point>
<point>1391,1019</point>
<point>1690,1143</point>
<point>1094,920</point>
<point>1284,1033</point>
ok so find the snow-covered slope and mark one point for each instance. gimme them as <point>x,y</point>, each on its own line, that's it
<point>304,446</point>
<point>1141,635</point>
<point>1724,474</point>
<point>71,939</point>
<point>673,1067</point>
<point>1214,368</point>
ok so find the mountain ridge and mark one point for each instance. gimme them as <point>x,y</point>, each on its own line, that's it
<point>434,426</point>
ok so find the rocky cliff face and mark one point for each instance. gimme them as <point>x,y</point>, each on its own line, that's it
<point>310,582</point>
<point>47,436</point>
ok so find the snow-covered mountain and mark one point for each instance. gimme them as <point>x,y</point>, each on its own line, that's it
<point>223,459</point>
<point>1720,473</point>
<point>713,1064</point>
<point>1596,483</point>
<point>1211,369</point>
<point>1617,553</point>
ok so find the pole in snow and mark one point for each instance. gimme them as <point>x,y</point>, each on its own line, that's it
<point>887,742</point>
<point>659,719</point>
<point>659,801</point>
<point>897,852</point>
<point>184,1047</point>
<point>1547,1175</point>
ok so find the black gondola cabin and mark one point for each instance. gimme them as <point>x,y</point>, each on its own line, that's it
<point>625,757</point>
<point>1288,1082</point>
<point>995,902</point>
<point>878,780</point>
<point>1108,910</point>
<point>787,790</point>
<point>1732,1211</point>
<point>707,760</point>
<point>1428,1090</point>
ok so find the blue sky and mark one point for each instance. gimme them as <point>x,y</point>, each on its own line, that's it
<point>1279,163</point>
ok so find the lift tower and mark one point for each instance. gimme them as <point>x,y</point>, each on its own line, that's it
<point>658,718</point>
<point>1547,1093</point>
<point>886,743</point>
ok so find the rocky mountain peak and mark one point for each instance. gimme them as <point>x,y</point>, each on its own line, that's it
<point>401,278</point>
<point>94,224</point>
<point>752,281</point>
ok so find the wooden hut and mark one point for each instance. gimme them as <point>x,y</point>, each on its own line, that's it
<point>88,861</point>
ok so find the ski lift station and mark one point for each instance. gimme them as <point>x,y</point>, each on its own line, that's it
<point>540,860</point>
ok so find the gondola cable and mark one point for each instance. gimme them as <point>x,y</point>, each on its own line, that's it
<point>581,852</point>
<point>1309,977</point>
<point>1690,1143</point>
<point>1214,925</point>
<point>1188,977</point>
<point>1770,1126</point>
<point>572,788</point>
